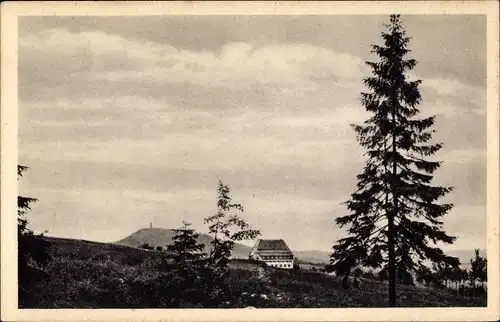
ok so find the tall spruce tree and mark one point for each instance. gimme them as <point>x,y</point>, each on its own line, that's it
<point>395,218</point>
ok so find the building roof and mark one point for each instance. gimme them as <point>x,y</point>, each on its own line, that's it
<point>274,245</point>
<point>271,244</point>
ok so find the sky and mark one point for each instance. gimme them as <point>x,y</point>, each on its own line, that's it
<point>127,121</point>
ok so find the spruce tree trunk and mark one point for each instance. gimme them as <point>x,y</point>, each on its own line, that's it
<point>392,263</point>
<point>390,224</point>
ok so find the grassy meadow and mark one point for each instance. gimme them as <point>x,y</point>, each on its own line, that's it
<point>86,274</point>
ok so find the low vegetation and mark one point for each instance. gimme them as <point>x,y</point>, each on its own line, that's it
<point>85,274</point>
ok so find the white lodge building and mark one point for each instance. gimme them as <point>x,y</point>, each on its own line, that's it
<point>274,252</point>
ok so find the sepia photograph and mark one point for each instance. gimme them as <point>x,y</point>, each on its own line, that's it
<point>239,160</point>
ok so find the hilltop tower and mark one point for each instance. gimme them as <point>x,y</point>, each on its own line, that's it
<point>150,225</point>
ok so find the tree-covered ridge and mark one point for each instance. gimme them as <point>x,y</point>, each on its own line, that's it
<point>33,253</point>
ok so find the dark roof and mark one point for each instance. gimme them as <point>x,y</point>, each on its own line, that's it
<point>272,244</point>
<point>272,247</point>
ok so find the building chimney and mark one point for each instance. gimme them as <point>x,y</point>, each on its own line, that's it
<point>150,225</point>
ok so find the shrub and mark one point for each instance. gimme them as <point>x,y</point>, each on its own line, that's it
<point>241,281</point>
<point>146,246</point>
<point>132,258</point>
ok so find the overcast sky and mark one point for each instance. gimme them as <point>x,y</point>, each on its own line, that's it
<point>127,121</point>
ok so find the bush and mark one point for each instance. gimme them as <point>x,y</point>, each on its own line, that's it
<point>242,281</point>
<point>153,289</point>
<point>297,287</point>
<point>146,246</point>
<point>132,258</point>
<point>369,275</point>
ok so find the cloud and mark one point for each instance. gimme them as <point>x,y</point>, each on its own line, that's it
<point>89,45</point>
<point>242,65</point>
<point>444,86</point>
<point>449,97</point>
<point>193,151</point>
<point>465,171</point>
<point>470,235</point>
<point>235,64</point>
<point>58,62</point>
<point>94,119</point>
<point>446,46</point>
<point>128,130</point>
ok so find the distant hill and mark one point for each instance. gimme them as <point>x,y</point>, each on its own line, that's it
<point>161,237</point>
<point>313,256</point>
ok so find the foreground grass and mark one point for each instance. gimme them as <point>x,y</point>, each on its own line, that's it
<point>94,275</point>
